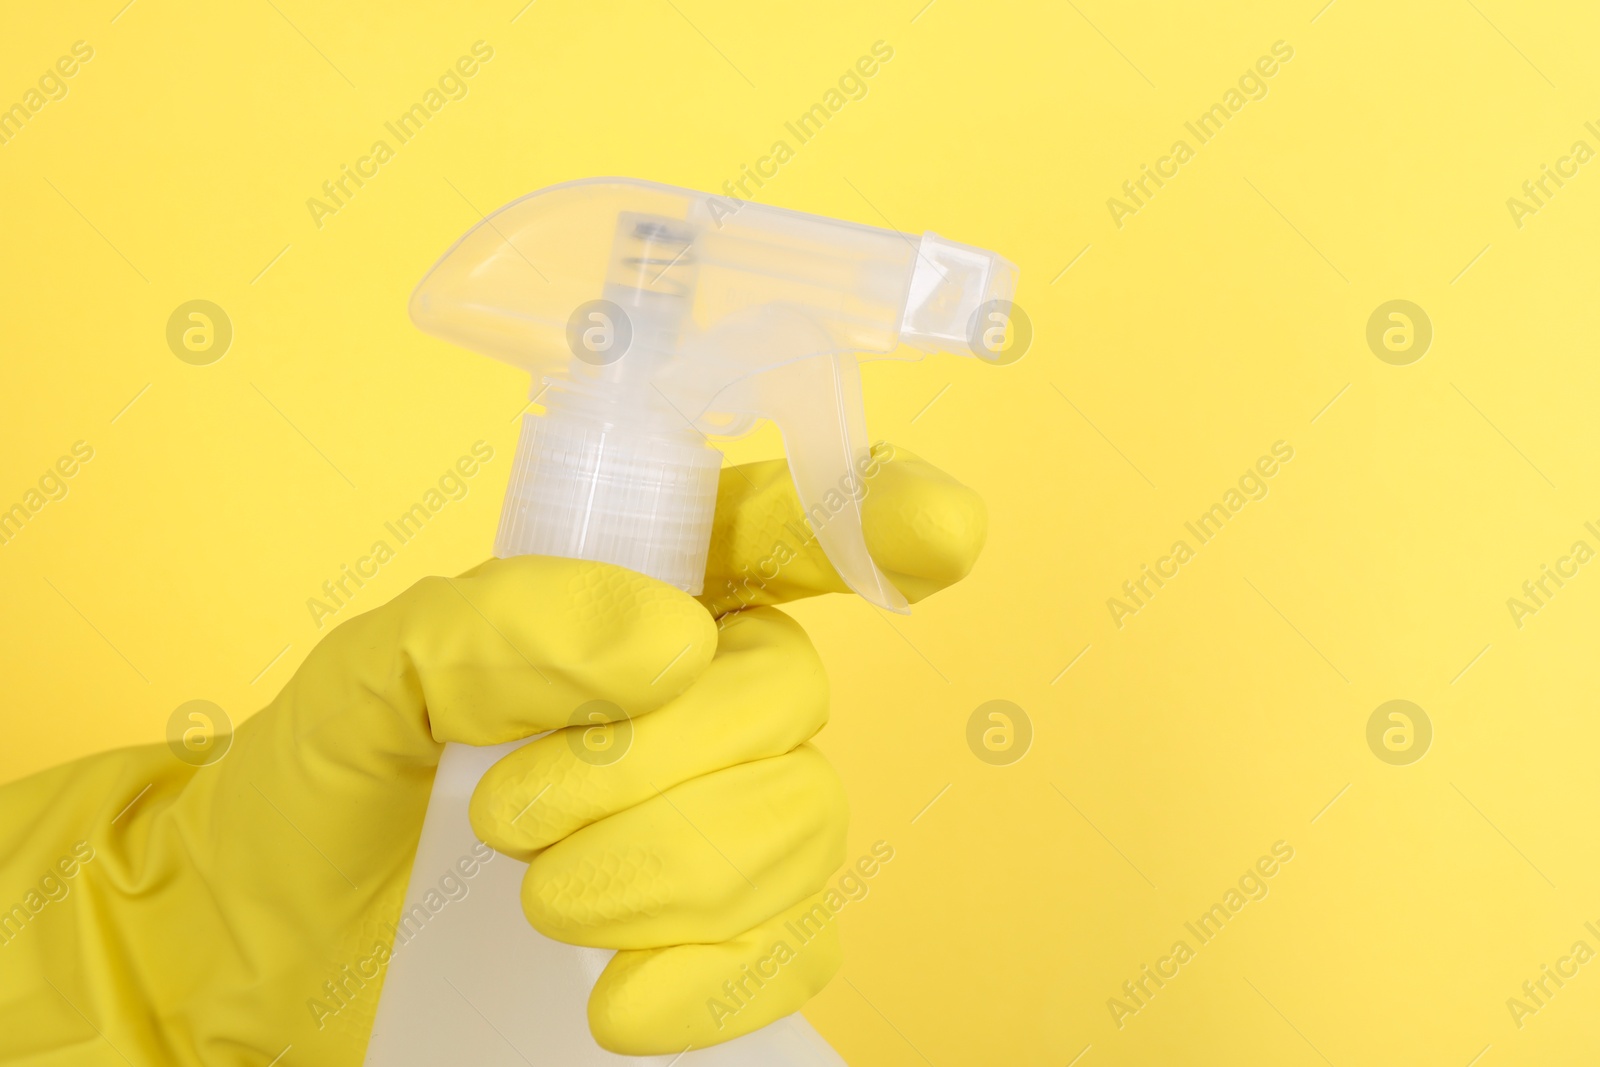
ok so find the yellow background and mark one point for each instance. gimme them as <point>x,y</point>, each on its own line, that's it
<point>1223,317</point>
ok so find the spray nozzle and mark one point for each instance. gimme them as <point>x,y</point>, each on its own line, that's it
<point>651,317</point>
<point>950,285</point>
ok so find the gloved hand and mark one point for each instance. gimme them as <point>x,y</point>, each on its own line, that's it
<point>189,916</point>
<point>725,828</point>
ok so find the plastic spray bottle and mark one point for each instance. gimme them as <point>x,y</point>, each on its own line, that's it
<point>652,318</point>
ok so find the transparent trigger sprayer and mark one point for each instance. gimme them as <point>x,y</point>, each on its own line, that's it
<point>651,318</point>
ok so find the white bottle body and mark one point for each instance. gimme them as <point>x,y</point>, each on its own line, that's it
<point>476,986</point>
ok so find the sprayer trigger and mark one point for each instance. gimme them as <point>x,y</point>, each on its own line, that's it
<point>817,406</point>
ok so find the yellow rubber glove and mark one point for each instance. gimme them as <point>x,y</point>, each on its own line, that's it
<point>173,915</point>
